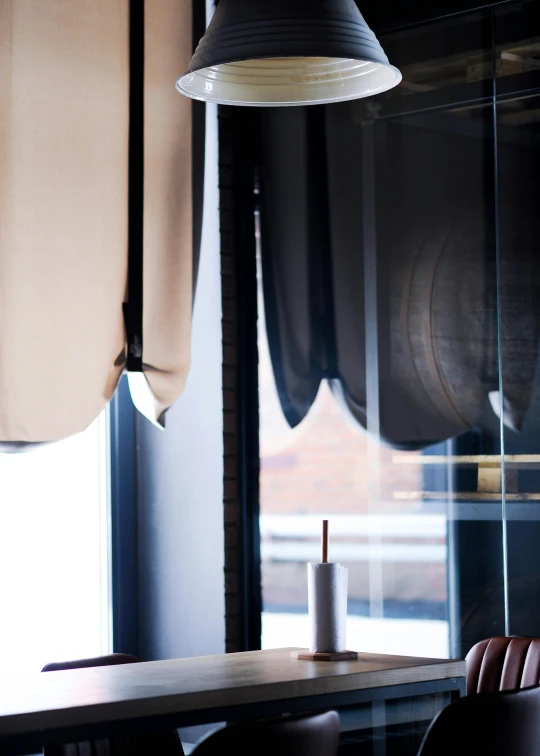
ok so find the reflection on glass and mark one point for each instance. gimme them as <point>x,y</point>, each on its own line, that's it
<point>320,470</point>
<point>401,276</point>
<point>517,38</point>
<point>441,63</point>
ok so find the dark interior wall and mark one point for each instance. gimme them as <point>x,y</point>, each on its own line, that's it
<point>180,478</point>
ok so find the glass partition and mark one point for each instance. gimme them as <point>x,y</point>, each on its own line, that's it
<point>517,53</point>
<point>399,347</point>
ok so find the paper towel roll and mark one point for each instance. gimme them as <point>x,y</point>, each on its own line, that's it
<point>327,607</point>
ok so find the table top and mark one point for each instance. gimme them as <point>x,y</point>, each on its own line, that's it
<point>54,700</point>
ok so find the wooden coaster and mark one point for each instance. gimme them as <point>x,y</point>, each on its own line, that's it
<point>311,656</point>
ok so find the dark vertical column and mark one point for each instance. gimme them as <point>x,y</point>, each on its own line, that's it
<point>199,137</point>
<point>133,308</point>
<point>124,566</point>
<point>237,128</point>
<point>122,417</point>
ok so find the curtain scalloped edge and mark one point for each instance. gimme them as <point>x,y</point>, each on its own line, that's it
<point>144,399</point>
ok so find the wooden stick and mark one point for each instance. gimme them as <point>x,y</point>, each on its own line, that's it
<point>324,541</point>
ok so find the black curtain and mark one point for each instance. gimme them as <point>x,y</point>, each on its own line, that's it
<point>378,246</point>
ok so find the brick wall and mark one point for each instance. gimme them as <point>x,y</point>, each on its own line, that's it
<point>240,399</point>
<point>323,466</point>
<point>229,324</point>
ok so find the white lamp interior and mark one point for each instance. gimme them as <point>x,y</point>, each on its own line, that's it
<point>288,81</point>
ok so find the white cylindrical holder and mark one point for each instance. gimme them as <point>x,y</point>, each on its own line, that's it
<point>327,607</point>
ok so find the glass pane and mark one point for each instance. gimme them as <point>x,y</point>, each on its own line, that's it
<point>401,447</point>
<point>54,590</point>
<point>517,32</point>
<point>441,63</point>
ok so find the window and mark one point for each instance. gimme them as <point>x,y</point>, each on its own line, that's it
<point>54,552</point>
<point>401,277</point>
<point>396,555</point>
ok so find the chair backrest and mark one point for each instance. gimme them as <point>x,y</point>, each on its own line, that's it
<point>490,724</point>
<point>96,661</point>
<point>292,736</point>
<point>503,663</point>
<point>165,743</point>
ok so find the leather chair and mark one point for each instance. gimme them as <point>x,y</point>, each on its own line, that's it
<point>165,743</point>
<point>501,663</point>
<point>487,724</point>
<point>295,736</point>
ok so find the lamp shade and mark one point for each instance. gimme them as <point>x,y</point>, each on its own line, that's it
<point>287,52</point>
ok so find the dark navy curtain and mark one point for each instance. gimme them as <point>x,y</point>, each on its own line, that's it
<point>411,202</point>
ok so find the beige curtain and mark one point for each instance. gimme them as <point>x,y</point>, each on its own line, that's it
<point>64,126</point>
<point>167,209</point>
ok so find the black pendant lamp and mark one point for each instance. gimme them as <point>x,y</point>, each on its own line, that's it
<point>287,52</point>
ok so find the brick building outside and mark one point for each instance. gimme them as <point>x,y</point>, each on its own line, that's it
<point>325,466</point>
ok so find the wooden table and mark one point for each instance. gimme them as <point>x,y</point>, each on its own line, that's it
<point>59,707</point>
